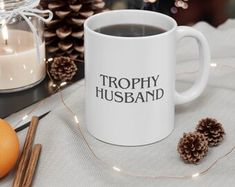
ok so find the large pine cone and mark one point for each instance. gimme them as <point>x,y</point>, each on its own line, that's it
<point>192,147</point>
<point>212,130</point>
<point>64,33</point>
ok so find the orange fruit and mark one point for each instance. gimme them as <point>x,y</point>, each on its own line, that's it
<point>9,148</point>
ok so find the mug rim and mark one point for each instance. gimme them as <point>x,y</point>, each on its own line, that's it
<point>107,13</point>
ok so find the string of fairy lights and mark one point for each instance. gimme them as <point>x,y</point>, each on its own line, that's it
<point>114,168</point>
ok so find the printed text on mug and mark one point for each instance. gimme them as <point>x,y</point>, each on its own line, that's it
<point>129,90</point>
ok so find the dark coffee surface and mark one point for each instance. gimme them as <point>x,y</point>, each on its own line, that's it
<point>130,30</point>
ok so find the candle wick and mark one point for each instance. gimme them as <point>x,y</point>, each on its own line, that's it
<point>6,42</point>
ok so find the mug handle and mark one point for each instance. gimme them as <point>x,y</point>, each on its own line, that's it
<point>204,56</point>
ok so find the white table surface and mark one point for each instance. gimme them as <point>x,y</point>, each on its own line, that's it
<point>66,161</point>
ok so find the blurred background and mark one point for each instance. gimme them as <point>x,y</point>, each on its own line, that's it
<point>185,12</point>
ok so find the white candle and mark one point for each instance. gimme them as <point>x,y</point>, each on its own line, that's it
<point>19,66</point>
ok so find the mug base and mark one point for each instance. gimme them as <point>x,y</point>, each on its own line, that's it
<point>131,144</point>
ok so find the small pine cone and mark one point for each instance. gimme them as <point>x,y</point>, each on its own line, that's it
<point>212,129</point>
<point>62,69</point>
<point>192,147</point>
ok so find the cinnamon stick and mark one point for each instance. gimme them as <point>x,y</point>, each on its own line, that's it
<point>32,165</point>
<point>23,162</point>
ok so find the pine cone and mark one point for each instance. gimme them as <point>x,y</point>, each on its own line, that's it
<point>62,69</point>
<point>192,147</point>
<point>212,130</point>
<point>64,33</point>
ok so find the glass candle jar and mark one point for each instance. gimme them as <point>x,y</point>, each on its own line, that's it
<point>22,51</point>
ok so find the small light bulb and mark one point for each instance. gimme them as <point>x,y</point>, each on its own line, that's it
<point>213,64</point>
<point>174,10</point>
<point>185,6</point>
<point>76,119</point>
<point>195,175</point>
<point>50,59</point>
<point>63,84</point>
<point>25,117</point>
<point>116,169</point>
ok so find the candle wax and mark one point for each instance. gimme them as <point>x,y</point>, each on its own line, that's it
<point>19,66</point>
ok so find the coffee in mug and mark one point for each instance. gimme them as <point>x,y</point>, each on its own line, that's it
<point>130,30</point>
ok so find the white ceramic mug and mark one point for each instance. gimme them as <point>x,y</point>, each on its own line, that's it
<point>130,81</point>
